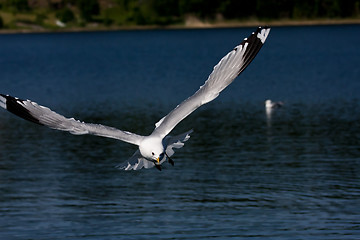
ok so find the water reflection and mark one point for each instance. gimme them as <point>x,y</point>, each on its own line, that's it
<point>298,169</point>
<point>244,172</point>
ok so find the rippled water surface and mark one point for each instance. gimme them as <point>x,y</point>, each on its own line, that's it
<point>293,173</point>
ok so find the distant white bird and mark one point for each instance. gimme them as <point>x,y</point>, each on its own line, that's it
<point>158,146</point>
<point>60,23</point>
<point>270,104</point>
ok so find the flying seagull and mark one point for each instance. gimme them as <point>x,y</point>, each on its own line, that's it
<point>159,145</point>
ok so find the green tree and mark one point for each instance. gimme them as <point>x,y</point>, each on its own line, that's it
<point>39,18</point>
<point>65,15</point>
<point>1,22</point>
<point>18,5</point>
<point>232,9</point>
<point>88,8</point>
<point>201,8</point>
<point>304,9</point>
<point>329,8</point>
<point>166,8</point>
<point>274,9</point>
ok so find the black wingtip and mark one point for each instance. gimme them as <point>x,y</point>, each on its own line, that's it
<point>255,41</point>
<point>17,107</point>
<point>264,27</point>
<point>259,29</point>
<point>158,167</point>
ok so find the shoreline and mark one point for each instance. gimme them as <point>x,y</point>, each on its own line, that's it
<point>197,24</point>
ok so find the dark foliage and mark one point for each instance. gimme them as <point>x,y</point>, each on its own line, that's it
<point>65,15</point>
<point>88,8</point>
<point>164,12</point>
<point>18,5</point>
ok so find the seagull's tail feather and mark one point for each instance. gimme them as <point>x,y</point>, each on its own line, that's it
<point>135,162</point>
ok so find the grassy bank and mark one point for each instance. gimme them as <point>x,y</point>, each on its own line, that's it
<point>96,15</point>
<point>48,22</point>
<point>29,27</point>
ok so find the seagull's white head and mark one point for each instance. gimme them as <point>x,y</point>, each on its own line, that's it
<point>152,149</point>
<point>268,103</point>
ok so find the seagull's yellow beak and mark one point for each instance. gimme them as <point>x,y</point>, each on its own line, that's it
<point>158,160</point>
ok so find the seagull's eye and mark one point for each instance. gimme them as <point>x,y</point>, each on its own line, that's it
<point>153,153</point>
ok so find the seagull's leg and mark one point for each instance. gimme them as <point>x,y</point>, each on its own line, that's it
<point>169,159</point>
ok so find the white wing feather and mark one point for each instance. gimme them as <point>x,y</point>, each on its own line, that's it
<point>223,74</point>
<point>33,112</point>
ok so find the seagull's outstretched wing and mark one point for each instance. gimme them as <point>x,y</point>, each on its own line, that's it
<point>33,112</point>
<point>223,74</point>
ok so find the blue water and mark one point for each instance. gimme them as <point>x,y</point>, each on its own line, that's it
<point>290,174</point>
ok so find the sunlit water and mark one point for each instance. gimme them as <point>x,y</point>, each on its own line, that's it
<point>293,173</point>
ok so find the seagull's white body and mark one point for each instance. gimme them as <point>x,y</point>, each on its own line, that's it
<point>159,145</point>
<point>270,104</point>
